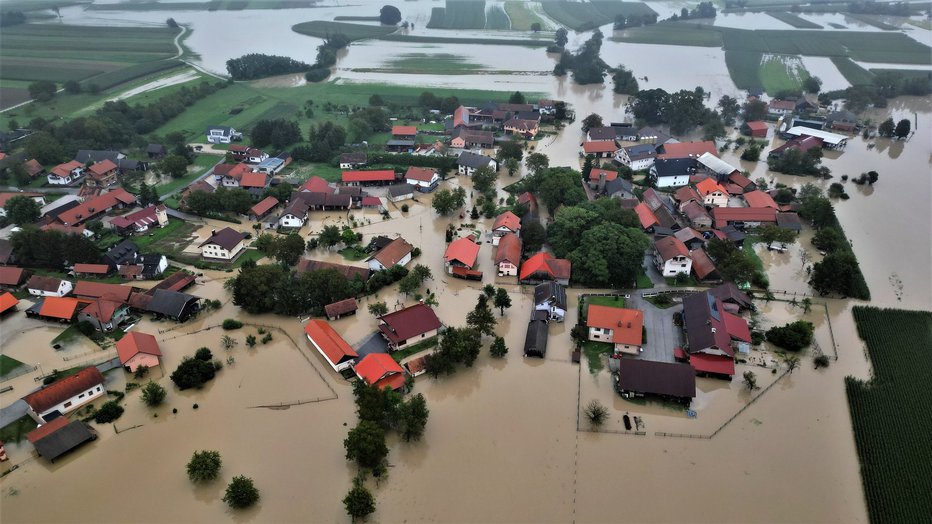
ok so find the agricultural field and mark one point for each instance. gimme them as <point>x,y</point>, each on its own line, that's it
<point>466,40</point>
<point>211,5</point>
<point>99,56</point>
<point>422,63</point>
<point>853,73</point>
<point>890,414</point>
<point>323,28</point>
<point>744,68</point>
<point>585,16</point>
<point>793,20</point>
<point>872,20</point>
<point>670,34</point>
<point>458,14</point>
<point>495,18</point>
<point>521,16</point>
<point>782,72</point>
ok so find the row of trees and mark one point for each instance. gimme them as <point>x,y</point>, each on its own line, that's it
<point>325,140</point>
<point>899,130</point>
<point>797,162</point>
<point>884,86</point>
<point>52,249</point>
<point>683,110</point>
<point>278,133</point>
<point>586,64</point>
<point>326,56</point>
<point>222,200</point>
<point>257,65</point>
<point>204,466</point>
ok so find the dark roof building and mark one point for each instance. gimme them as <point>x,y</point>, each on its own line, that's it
<point>413,323</point>
<point>671,381</point>
<point>227,238</point>
<point>340,308</point>
<point>123,253</point>
<point>58,437</point>
<point>535,341</point>
<point>172,304</point>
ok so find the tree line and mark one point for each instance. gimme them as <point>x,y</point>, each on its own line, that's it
<point>326,57</point>
<point>257,65</point>
<point>885,85</point>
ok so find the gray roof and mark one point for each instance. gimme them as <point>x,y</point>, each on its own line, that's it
<point>6,251</point>
<point>657,378</point>
<point>354,158</point>
<point>227,131</point>
<point>674,166</point>
<point>535,342</point>
<point>85,155</point>
<point>789,221</point>
<point>728,292</point>
<point>473,160</point>
<point>169,303</point>
<point>64,440</point>
<point>619,185</point>
<point>641,151</point>
<point>550,292</point>
<point>155,148</point>
<point>602,133</point>
<point>398,190</point>
<point>122,253</point>
<point>400,143</point>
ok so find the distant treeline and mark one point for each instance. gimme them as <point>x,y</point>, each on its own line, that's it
<point>256,65</point>
<point>886,85</point>
<point>8,18</point>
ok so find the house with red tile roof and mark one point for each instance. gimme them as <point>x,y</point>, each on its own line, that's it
<point>254,181</point>
<point>404,132</point>
<point>703,267</point>
<point>712,334</point>
<point>7,302</point>
<point>462,252</point>
<point>152,216</point>
<point>58,309</point>
<point>102,174</point>
<point>341,308</point>
<point>760,199</point>
<point>524,127</point>
<point>743,216</point>
<point>381,370</point>
<point>33,168</point>
<point>621,327</point>
<point>713,194</point>
<point>96,206</point>
<point>230,175</point>
<point>105,315</point>
<point>601,148</point>
<point>646,217</point>
<point>671,257</point>
<point>687,149</point>
<point>424,179</point>
<point>65,395</point>
<point>94,290</point>
<point>398,252</point>
<point>508,255</point>
<point>315,184</point>
<point>505,223</point>
<point>543,267</point>
<point>64,174</point>
<point>263,208</point>
<point>370,177</point>
<point>12,277</point>
<point>330,344</point>
<point>138,349</point>
<point>92,270</point>
<point>598,177</point>
<point>409,326</point>
<point>778,107</point>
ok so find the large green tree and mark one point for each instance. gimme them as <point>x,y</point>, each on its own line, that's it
<point>412,418</point>
<point>483,179</point>
<point>481,318</point>
<point>204,466</point>
<point>365,444</point>
<point>359,502</point>
<point>609,255</point>
<point>241,493</point>
<point>22,210</point>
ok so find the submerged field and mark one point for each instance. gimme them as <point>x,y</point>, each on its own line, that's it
<point>782,72</point>
<point>890,414</point>
<point>584,16</point>
<point>323,28</point>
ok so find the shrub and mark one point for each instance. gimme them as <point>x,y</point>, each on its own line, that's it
<point>204,466</point>
<point>192,373</point>
<point>241,493</point>
<point>109,412</point>
<point>596,413</point>
<point>203,354</point>
<point>792,336</point>
<point>267,338</point>
<point>251,340</point>
<point>404,208</point>
<point>821,361</point>
<point>232,324</point>
<point>217,365</point>
<point>153,394</point>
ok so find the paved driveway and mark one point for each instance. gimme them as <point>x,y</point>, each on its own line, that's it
<point>662,335</point>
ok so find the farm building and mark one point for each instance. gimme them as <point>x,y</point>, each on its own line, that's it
<point>670,381</point>
<point>65,395</point>
<point>58,437</point>
<point>535,341</point>
<point>341,308</point>
<point>330,344</point>
<point>543,267</point>
<point>381,370</point>
<point>410,325</point>
<point>372,177</point>
<point>550,297</point>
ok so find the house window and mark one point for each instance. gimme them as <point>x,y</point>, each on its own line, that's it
<point>81,395</point>
<point>67,404</point>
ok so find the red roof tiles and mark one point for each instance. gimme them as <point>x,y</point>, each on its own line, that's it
<point>404,130</point>
<point>421,174</point>
<point>381,370</point>
<point>115,292</point>
<point>7,302</point>
<point>545,263</point>
<point>688,149</point>
<point>264,206</point>
<point>509,249</point>
<point>12,276</point>
<point>63,308</point>
<point>381,175</point>
<point>462,250</point>
<point>134,343</point>
<point>759,199</point>
<point>96,206</point>
<point>508,220</point>
<point>329,342</point>
<point>600,146</point>
<point>625,323</point>
<point>63,389</point>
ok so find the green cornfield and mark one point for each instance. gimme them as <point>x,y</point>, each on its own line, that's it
<point>458,14</point>
<point>890,414</point>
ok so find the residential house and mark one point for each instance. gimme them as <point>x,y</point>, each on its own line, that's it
<point>396,253</point>
<point>341,308</point>
<point>270,166</point>
<point>137,350</point>
<point>263,208</point>
<point>742,217</point>
<point>844,121</point>
<point>756,129</point>
<point>652,135</point>
<point>7,303</point>
<point>686,194</point>
<point>550,298</point>
<point>691,150</point>
<point>222,135</point>
<point>99,205</point>
<point>691,238</point>
<point>759,199</point>
<point>505,223</point>
<point>742,182</point>
<point>33,168</point>
<point>646,217</point>
<point>224,245</point>
<point>713,194</point>
<point>247,154</point>
<point>778,107</point>
<point>200,185</point>
<point>672,172</point>
<point>315,184</point>
<point>38,198</point>
<point>353,160</point>
<point>621,327</point>
<point>703,267</point>
<point>399,146</point>
<point>674,382</point>
<point>523,127</point>
<point>125,252</point>
<point>801,143</point>
<point>604,133</point>
<point>140,221</point>
<point>144,267</point>
<point>41,286</point>
<point>599,177</point>
<point>671,257</point>
<point>89,291</point>
<point>105,315</point>
<point>528,200</point>
<point>86,156</point>
<point>229,175</point>
<point>409,326</point>
<point>101,174</point>
<point>463,138</point>
<point>535,340</point>
<point>255,183</point>
<point>601,149</point>
<point>662,207</point>
<point>637,157</point>
<point>621,189</point>
<point>65,174</point>
<point>65,395</point>
<point>372,177</point>
<point>295,213</point>
<point>12,277</point>
<point>712,334</point>
<point>544,266</point>
<point>508,255</point>
<point>404,132</point>
<point>469,162</point>
<point>381,370</point>
<point>461,253</point>
<point>330,345</point>
<point>60,436</point>
<point>424,179</point>
<point>733,299</point>
<point>156,151</point>
<point>399,192</point>
<point>715,167</point>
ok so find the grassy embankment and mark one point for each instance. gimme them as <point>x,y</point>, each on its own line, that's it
<point>793,20</point>
<point>422,63</point>
<point>585,16</point>
<point>890,414</point>
<point>522,17</point>
<point>458,14</point>
<point>98,57</point>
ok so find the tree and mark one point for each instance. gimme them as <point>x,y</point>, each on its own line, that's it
<point>359,502</point>
<point>108,412</point>
<point>821,361</point>
<point>257,65</point>
<point>366,445</point>
<point>241,493</point>
<point>42,91</point>
<point>446,201</point>
<point>481,318</point>
<point>557,186</point>
<point>516,98</point>
<point>502,300</point>
<point>535,27</point>
<point>728,107</point>
<point>412,418</point>
<point>886,128</point>
<point>251,341</point>
<point>625,82</point>
<point>389,15</point>
<point>153,394</point>
<point>330,236</point>
<point>872,177</point>
<point>792,362</point>
<point>483,179</point>
<point>192,372</point>
<point>376,100</point>
<point>204,466</point>
<point>839,273</point>
<point>45,148</point>
<point>22,210</point>
<point>148,195</point>
<point>596,413</point>
<point>377,309</point>
<point>174,165</point>
<point>537,162</point>
<point>409,284</point>
<point>755,110</point>
<point>498,348</point>
<point>510,149</point>
<point>732,263</point>
<point>72,87</point>
<point>533,235</point>
<point>560,37</point>
<point>488,290</point>
<point>609,254</point>
<point>511,165</point>
<point>771,233</point>
<point>750,380</point>
<point>290,249</point>
<point>902,129</point>
<point>792,336</point>
<point>812,84</point>
<point>752,153</point>
<point>171,23</point>
<point>591,121</point>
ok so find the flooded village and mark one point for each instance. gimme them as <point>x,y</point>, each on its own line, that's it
<point>256,298</point>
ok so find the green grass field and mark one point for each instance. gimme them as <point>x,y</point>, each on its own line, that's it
<point>495,18</point>
<point>201,164</point>
<point>793,20</point>
<point>744,68</point>
<point>522,16</point>
<point>853,73</point>
<point>458,14</point>
<point>874,21</point>
<point>782,72</point>
<point>890,414</point>
<point>424,64</point>
<point>210,5</point>
<point>671,34</point>
<point>585,16</point>
<point>323,28</point>
<point>8,364</point>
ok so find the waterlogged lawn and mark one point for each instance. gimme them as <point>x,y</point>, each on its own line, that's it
<point>594,351</point>
<point>8,364</point>
<point>782,72</point>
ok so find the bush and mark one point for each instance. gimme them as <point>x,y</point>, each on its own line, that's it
<point>821,361</point>
<point>792,336</point>
<point>153,394</point>
<point>596,413</point>
<point>109,412</point>
<point>232,324</point>
<point>192,373</point>
<point>203,354</point>
<point>404,208</point>
<point>241,493</point>
<point>317,74</point>
<point>204,466</point>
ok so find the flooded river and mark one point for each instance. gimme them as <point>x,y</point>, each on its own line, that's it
<point>505,441</point>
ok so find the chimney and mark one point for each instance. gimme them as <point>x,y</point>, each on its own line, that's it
<point>213,232</point>
<point>601,181</point>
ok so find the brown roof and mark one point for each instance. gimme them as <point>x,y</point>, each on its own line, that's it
<point>694,211</point>
<point>759,199</point>
<point>740,180</point>
<point>350,272</point>
<point>341,308</point>
<point>670,247</point>
<point>723,215</point>
<point>227,238</point>
<point>134,343</point>
<point>264,206</point>
<point>102,310</point>
<point>61,390</point>
<point>174,282</point>
<point>62,308</point>
<point>685,194</point>
<point>509,249</point>
<point>392,253</point>
<point>33,167</point>
<point>507,220</point>
<point>12,276</point>
<point>253,180</point>
<point>92,269</point>
<point>103,167</point>
<point>421,174</point>
<point>702,264</point>
<point>408,322</point>
<point>114,292</point>
<point>688,149</point>
<point>42,283</point>
<point>782,104</point>
<point>658,378</point>
<point>95,206</point>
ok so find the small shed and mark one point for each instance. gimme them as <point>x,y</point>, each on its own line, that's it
<point>58,437</point>
<point>343,307</point>
<point>757,129</point>
<point>535,341</point>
